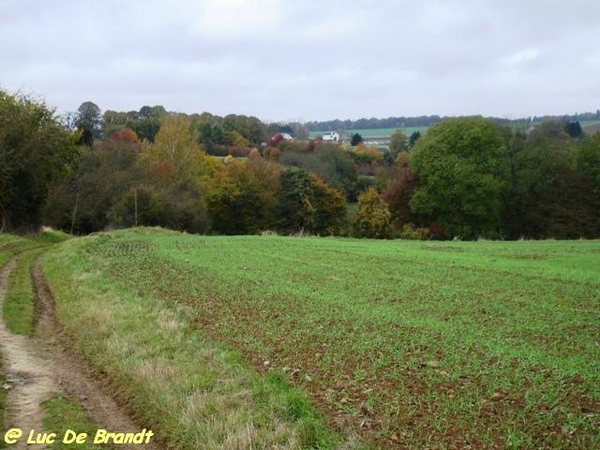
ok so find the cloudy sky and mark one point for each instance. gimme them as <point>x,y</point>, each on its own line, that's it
<point>306,59</point>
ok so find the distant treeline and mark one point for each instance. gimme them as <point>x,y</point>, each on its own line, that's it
<point>426,121</point>
<point>465,178</point>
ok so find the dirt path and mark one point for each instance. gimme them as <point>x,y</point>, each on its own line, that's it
<point>38,368</point>
<point>26,371</point>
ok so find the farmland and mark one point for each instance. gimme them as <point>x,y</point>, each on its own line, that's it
<point>270,341</point>
<point>372,133</point>
<point>385,133</point>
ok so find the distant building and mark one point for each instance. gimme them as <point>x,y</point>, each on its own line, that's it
<point>331,136</point>
<point>277,138</point>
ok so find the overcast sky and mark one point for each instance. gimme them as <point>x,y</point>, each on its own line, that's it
<point>306,60</point>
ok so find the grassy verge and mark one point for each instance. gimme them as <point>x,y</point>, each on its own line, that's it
<point>62,414</point>
<point>18,302</point>
<point>408,344</point>
<point>193,392</point>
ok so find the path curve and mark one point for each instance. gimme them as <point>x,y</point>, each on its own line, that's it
<point>38,368</point>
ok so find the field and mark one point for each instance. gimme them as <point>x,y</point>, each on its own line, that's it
<point>265,341</point>
<point>589,123</point>
<point>374,132</point>
<point>385,133</point>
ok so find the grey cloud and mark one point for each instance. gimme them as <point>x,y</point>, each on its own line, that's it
<point>315,60</point>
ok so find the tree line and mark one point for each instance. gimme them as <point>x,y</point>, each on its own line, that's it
<point>426,121</point>
<point>465,178</point>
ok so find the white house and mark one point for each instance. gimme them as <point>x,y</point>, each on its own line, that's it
<point>331,136</point>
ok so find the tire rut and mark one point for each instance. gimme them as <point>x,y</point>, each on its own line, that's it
<point>38,368</point>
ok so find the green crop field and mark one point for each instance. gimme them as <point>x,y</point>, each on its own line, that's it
<point>276,342</point>
<point>589,123</point>
<point>387,132</point>
<point>375,132</point>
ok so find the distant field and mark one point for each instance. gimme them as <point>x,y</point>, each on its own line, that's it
<point>374,132</point>
<point>589,123</point>
<point>403,344</point>
<point>387,132</point>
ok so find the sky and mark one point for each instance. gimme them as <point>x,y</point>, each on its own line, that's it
<point>304,60</point>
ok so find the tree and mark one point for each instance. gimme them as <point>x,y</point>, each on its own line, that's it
<point>175,156</point>
<point>113,121</point>
<point>88,122</point>
<point>414,137</point>
<point>356,139</point>
<point>588,158</point>
<point>295,203</point>
<point>574,129</point>
<point>242,196</point>
<point>372,219</point>
<point>556,198</point>
<point>398,143</point>
<point>125,135</point>
<point>329,162</point>
<point>250,128</point>
<point>82,202</point>
<point>300,131</point>
<point>398,195</point>
<point>329,206</point>
<point>462,167</point>
<point>35,150</point>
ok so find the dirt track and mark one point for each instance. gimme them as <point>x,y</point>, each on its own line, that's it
<point>38,368</point>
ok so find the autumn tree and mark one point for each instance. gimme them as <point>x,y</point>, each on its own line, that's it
<point>125,135</point>
<point>372,219</point>
<point>175,156</point>
<point>329,208</point>
<point>242,196</point>
<point>398,195</point>
<point>177,165</point>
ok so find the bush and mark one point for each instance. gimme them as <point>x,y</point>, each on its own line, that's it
<point>411,233</point>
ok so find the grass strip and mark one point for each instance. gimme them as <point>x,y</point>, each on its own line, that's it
<point>194,393</point>
<point>62,414</point>
<point>19,301</point>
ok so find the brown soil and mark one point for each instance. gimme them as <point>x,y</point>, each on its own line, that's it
<point>39,368</point>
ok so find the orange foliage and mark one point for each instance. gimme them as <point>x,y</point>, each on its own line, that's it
<point>126,135</point>
<point>162,170</point>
